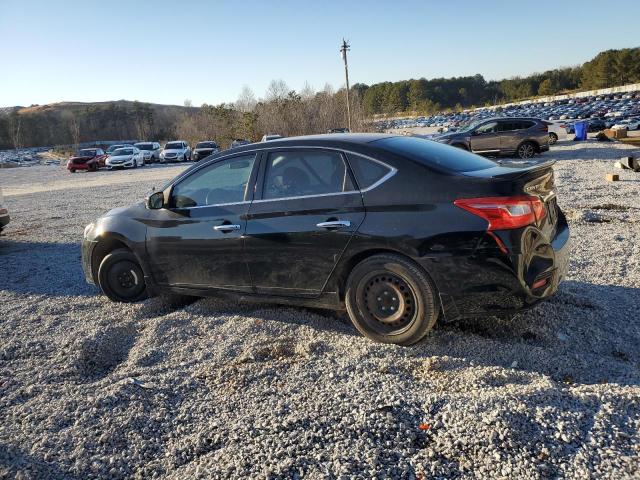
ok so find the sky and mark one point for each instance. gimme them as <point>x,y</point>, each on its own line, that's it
<point>206,51</point>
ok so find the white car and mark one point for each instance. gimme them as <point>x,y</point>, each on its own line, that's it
<point>127,157</point>
<point>626,125</point>
<point>176,151</point>
<point>150,151</point>
<point>557,131</point>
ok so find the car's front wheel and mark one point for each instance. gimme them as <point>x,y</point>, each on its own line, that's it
<point>120,277</point>
<point>390,299</point>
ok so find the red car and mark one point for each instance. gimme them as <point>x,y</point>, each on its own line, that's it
<point>87,159</point>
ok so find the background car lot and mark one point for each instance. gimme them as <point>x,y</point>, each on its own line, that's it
<point>234,390</point>
<point>595,108</point>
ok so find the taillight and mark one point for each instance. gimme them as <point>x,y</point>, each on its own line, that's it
<point>505,213</point>
<point>543,128</point>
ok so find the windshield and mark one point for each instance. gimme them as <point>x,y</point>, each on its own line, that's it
<point>145,146</point>
<point>113,147</point>
<point>206,145</point>
<point>123,151</point>
<point>173,146</point>
<point>87,153</point>
<point>471,126</point>
<point>434,154</point>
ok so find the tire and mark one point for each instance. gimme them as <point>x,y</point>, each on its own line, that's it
<point>93,167</point>
<point>526,150</point>
<point>389,281</point>
<point>135,163</point>
<point>553,138</point>
<point>121,278</point>
<point>73,170</point>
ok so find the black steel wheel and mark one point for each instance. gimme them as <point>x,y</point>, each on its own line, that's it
<point>390,299</point>
<point>121,278</point>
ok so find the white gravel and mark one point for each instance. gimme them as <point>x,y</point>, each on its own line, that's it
<point>89,388</point>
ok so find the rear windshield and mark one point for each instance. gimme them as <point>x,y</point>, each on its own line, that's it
<point>434,154</point>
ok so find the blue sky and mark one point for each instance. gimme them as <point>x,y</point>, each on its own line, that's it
<point>165,52</point>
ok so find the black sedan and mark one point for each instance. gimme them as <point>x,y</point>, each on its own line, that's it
<point>398,231</point>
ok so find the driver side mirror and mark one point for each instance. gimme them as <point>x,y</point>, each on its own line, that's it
<point>155,201</point>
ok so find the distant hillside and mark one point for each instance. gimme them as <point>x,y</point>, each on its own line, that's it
<point>74,122</point>
<point>607,69</point>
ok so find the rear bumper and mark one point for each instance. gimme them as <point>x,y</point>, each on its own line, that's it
<point>490,282</point>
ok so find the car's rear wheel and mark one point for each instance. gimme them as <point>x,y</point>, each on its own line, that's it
<point>526,150</point>
<point>390,299</point>
<point>553,138</point>
<point>121,278</point>
<point>72,170</point>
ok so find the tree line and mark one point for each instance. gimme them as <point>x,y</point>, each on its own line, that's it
<point>607,69</point>
<point>289,112</point>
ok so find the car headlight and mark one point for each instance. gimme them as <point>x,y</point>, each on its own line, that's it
<point>87,229</point>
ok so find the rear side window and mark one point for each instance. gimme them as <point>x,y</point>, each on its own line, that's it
<point>305,172</point>
<point>434,154</point>
<point>367,171</point>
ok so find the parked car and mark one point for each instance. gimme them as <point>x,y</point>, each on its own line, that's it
<point>271,136</point>
<point>178,151</point>
<point>557,131</point>
<point>150,151</point>
<point>4,213</point>
<point>113,148</point>
<point>127,157</point>
<point>87,159</point>
<point>238,142</point>
<point>399,231</point>
<point>596,125</point>
<point>628,124</point>
<point>204,149</point>
<point>501,136</point>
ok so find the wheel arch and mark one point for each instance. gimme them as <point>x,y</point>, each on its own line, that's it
<point>348,265</point>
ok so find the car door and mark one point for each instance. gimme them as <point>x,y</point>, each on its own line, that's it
<point>305,213</point>
<point>197,241</point>
<point>486,138</point>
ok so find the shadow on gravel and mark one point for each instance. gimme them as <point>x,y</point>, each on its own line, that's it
<point>42,268</point>
<point>14,460</point>
<point>585,334</point>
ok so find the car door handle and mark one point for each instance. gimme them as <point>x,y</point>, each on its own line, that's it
<point>334,224</point>
<point>226,228</point>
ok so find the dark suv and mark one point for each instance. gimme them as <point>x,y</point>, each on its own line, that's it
<point>501,136</point>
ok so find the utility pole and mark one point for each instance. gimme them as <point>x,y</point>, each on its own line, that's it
<point>343,50</point>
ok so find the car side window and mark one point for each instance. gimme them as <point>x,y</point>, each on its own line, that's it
<point>487,128</point>
<point>222,182</point>
<point>367,171</point>
<point>305,172</point>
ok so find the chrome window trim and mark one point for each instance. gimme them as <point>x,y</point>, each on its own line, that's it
<point>256,151</point>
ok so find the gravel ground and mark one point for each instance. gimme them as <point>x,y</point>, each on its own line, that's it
<point>89,388</point>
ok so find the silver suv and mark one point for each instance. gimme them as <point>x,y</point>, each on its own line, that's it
<point>523,137</point>
<point>150,151</point>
